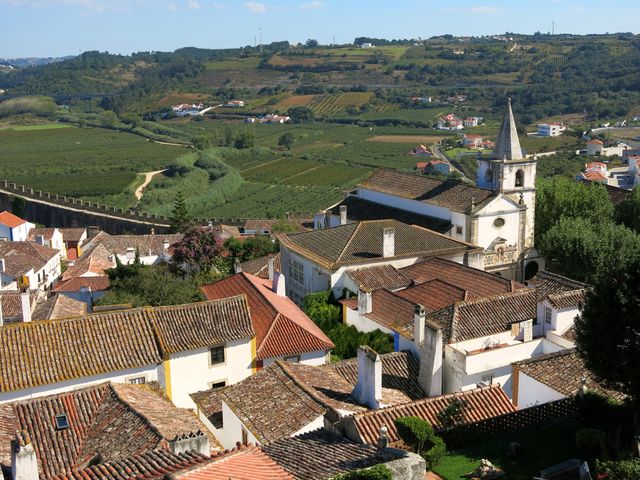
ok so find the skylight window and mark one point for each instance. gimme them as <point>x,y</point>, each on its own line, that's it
<point>62,422</point>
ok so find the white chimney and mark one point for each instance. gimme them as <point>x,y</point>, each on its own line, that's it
<point>278,285</point>
<point>26,306</point>
<point>365,302</point>
<point>271,267</point>
<point>237,268</point>
<point>165,244</point>
<point>40,239</point>
<point>430,374</point>
<point>419,317</point>
<point>24,463</point>
<point>343,214</point>
<point>131,254</point>
<point>388,242</point>
<point>368,390</point>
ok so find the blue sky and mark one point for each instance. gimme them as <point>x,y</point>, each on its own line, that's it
<point>65,27</point>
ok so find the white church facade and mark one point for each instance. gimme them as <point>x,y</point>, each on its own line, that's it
<point>497,214</point>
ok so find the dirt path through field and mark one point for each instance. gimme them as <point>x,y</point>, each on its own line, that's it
<point>147,179</point>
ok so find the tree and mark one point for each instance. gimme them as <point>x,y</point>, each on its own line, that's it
<point>258,246</point>
<point>311,43</point>
<point>628,211</point>
<point>301,114</point>
<point>180,219</point>
<point>245,139</point>
<point>198,249</point>
<point>286,140</point>
<point>561,197</point>
<point>419,435</point>
<point>607,330</point>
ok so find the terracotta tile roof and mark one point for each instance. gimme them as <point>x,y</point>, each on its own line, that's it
<point>57,307</point>
<point>452,194</point>
<point>593,176</point>
<point>150,465</point>
<point>570,334</point>
<point>359,243</point>
<point>479,318</point>
<point>390,310</point>
<point>359,209</point>
<point>11,304</point>
<point>47,233</point>
<point>477,281</point>
<point>93,262</point>
<point>595,141</point>
<point>562,371</point>
<point>260,266</point>
<point>113,421</point>
<point>246,463</point>
<point>20,257</point>
<point>72,234</point>
<point>270,404</point>
<point>42,353</point>
<point>10,220</point>
<point>436,294</point>
<point>281,327</point>
<point>319,455</point>
<point>480,404</point>
<point>200,325</point>
<point>208,402</point>
<point>562,292</point>
<point>145,244</point>
<point>96,284</point>
<point>399,372</point>
<point>266,224</point>
<point>382,276</point>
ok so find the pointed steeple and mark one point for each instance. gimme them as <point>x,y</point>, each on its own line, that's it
<point>507,144</point>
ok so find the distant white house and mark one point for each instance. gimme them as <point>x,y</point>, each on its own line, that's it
<point>235,103</point>
<point>472,121</point>
<point>550,129</point>
<point>14,228</point>
<point>367,45</point>
<point>596,148</point>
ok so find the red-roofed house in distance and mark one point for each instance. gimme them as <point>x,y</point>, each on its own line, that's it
<point>283,330</point>
<point>49,237</point>
<point>14,228</point>
<point>421,151</point>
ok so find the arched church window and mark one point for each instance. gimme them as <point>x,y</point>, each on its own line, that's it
<point>519,178</point>
<point>488,175</point>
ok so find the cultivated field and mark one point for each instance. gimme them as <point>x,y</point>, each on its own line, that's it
<point>406,139</point>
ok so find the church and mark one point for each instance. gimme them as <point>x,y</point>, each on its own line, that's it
<point>497,214</point>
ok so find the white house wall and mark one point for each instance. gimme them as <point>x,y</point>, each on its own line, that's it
<point>406,204</point>
<point>487,232</point>
<point>362,322</point>
<point>192,372</point>
<point>150,372</point>
<point>319,357</point>
<point>531,392</point>
<point>231,431</point>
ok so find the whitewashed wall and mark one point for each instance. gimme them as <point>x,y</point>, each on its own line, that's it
<point>231,431</point>
<point>319,357</point>
<point>531,392</point>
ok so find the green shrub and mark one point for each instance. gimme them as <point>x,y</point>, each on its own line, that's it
<point>379,472</point>
<point>415,432</point>
<point>620,470</point>
<point>592,443</point>
<point>435,453</point>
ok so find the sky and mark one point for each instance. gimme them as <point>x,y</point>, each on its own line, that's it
<point>50,28</point>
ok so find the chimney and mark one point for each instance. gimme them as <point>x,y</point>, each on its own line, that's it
<point>368,390</point>
<point>527,330</point>
<point>343,214</point>
<point>131,254</point>
<point>197,441</point>
<point>388,242</point>
<point>278,285</point>
<point>237,268</point>
<point>419,316</point>
<point>1,315</point>
<point>2,265</point>
<point>24,463</point>
<point>26,306</point>
<point>153,231</point>
<point>365,302</point>
<point>40,239</point>
<point>165,244</point>
<point>271,268</point>
<point>430,357</point>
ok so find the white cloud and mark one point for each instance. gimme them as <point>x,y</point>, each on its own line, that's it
<point>194,5</point>
<point>256,7</point>
<point>312,5</point>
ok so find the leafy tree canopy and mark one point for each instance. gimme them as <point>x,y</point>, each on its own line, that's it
<point>199,249</point>
<point>628,211</point>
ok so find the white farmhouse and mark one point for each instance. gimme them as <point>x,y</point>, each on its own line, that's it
<point>151,249</point>
<point>550,129</point>
<point>14,228</point>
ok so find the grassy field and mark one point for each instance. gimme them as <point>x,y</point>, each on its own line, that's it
<point>44,126</point>
<point>92,163</point>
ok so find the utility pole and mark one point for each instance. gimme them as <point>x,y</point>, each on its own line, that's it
<point>553,27</point>
<point>260,39</point>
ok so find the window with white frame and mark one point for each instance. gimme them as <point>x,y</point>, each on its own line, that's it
<point>137,380</point>
<point>216,355</point>
<point>547,315</point>
<point>296,271</point>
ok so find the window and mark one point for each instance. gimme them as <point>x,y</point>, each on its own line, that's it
<point>292,359</point>
<point>488,175</point>
<point>222,383</point>
<point>297,299</point>
<point>62,422</point>
<point>487,379</point>
<point>547,315</point>
<point>217,354</point>
<point>458,230</point>
<point>498,222</point>
<point>519,178</point>
<point>216,420</point>
<point>296,271</point>
<point>137,380</point>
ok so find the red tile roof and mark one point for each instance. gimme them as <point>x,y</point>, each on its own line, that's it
<point>96,284</point>
<point>382,276</point>
<point>480,404</point>
<point>246,463</point>
<point>10,220</point>
<point>20,257</point>
<point>595,141</point>
<point>281,327</point>
<point>436,294</point>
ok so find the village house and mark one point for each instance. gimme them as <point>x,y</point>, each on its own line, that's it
<point>185,348</point>
<point>472,121</point>
<point>550,129</point>
<point>78,433</point>
<point>261,267</point>
<point>450,122</point>
<point>235,104</point>
<point>73,239</point>
<point>151,249</point>
<point>552,377</point>
<point>57,307</point>
<point>16,307</point>
<point>283,330</point>
<point>14,228</point>
<point>288,399</point>
<point>48,237</point>
<point>318,260</point>
<point>28,266</point>
<point>421,151</point>
<point>596,148</point>
<point>437,166</point>
<point>497,215</point>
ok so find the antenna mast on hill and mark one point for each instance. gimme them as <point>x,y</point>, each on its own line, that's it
<point>553,27</point>
<point>260,39</point>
